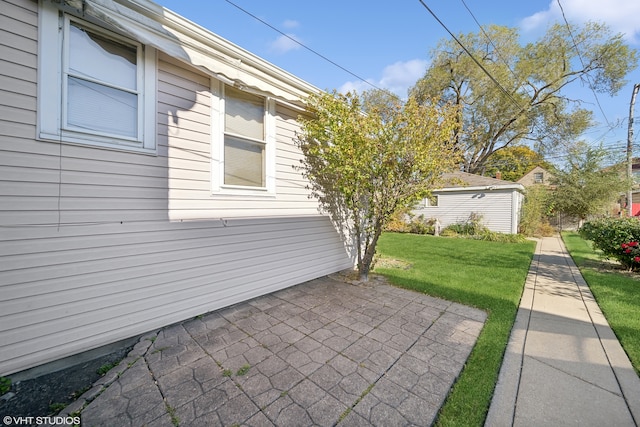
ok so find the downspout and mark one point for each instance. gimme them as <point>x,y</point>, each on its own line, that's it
<point>516,205</point>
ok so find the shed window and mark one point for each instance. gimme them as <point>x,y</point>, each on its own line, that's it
<point>431,201</point>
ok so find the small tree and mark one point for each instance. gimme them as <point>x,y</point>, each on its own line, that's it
<point>365,165</point>
<point>535,211</point>
<point>584,187</point>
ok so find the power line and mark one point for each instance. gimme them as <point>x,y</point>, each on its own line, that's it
<point>303,45</point>
<point>575,45</point>
<point>515,102</point>
<point>490,41</point>
<point>543,132</point>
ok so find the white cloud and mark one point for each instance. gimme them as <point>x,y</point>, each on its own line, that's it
<point>620,15</point>
<point>397,78</point>
<point>284,44</point>
<point>400,76</point>
<point>357,86</point>
<point>290,23</point>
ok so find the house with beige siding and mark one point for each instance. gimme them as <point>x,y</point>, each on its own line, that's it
<point>497,202</point>
<point>536,176</point>
<point>146,177</point>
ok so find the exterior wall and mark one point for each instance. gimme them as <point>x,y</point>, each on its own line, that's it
<point>499,208</point>
<point>97,245</point>
<point>529,179</point>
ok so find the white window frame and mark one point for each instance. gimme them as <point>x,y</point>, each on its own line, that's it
<point>427,201</point>
<point>538,177</point>
<point>52,86</point>
<point>218,187</point>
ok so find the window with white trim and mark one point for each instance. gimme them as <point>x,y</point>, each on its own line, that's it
<point>95,87</point>
<point>244,144</point>
<point>538,177</point>
<point>431,201</point>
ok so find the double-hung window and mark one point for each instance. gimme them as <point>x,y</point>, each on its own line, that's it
<point>244,139</point>
<point>96,87</point>
<point>243,146</point>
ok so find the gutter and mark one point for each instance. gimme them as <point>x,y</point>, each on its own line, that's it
<point>518,187</point>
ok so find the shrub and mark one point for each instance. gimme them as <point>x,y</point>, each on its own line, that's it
<point>470,227</point>
<point>629,255</point>
<point>473,228</point>
<point>398,222</point>
<point>494,236</point>
<point>422,225</point>
<point>405,222</point>
<point>545,230</point>
<point>535,212</point>
<point>613,236</point>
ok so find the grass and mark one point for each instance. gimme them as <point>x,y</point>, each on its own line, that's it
<point>616,291</point>
<point>56,407</point>
<point>172,413</point>
<point>243,370</point>
<point>102,370</point>
<point>486,275</point>
<point>5,385</point>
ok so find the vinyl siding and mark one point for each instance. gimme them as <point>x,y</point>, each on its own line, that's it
<point>98,245</point>
<point>496,207</point>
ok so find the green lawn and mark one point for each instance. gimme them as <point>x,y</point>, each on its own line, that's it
<point>487,275</point>
<point>617,294</point>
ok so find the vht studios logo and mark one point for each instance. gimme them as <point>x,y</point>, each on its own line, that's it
<point>26,421</point>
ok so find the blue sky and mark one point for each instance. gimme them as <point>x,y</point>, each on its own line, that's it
<point>388,43</point>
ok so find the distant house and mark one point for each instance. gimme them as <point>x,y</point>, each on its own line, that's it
<point>536,176</point>
<point>498,202</point>
<point>635,194</point>
<point>145,177</point>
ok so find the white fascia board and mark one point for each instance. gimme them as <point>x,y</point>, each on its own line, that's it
<point>518,187</point>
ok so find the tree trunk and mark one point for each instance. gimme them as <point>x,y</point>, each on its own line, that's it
<point>367,259</point>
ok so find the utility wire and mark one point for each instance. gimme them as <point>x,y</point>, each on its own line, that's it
<point>303,45</point>
<point>490,41</point>
<point>511,98</point>
<point>543,133</point>
<point>515,102</point>
<point>575,45</point>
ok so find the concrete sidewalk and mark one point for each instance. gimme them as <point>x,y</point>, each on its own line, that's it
<point>563,365</point>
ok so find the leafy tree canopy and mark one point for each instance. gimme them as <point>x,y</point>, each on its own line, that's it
<point>513,162</point>
<point>366,157</point>
<point>584,187</point>
<point>530,104</point>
